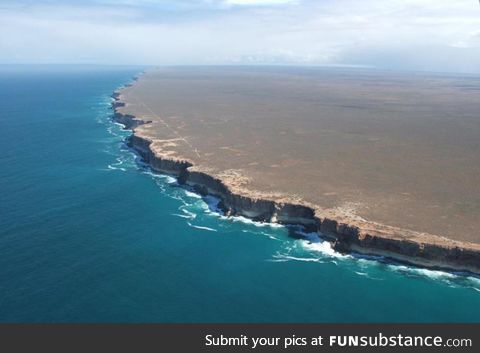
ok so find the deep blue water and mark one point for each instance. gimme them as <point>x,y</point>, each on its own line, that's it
<point>88,234</point>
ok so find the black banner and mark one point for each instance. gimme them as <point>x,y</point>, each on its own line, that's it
<point>239,338</point>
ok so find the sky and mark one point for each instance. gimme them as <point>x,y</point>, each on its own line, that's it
<point>431,35</point>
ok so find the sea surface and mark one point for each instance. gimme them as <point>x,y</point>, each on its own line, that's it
<point>89,234</point>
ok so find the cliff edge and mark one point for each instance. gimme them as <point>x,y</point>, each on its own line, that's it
<point>346,231</point>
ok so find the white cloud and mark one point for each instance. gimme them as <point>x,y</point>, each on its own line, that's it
<point>424,34</point>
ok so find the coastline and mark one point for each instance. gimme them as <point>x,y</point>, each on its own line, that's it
<point>347,235</point>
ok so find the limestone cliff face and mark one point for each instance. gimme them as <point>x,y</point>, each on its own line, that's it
<point>351,239</point>
<point>297,214</point>
<point>258,209</point>
<point>127,120</point>
<point>345,237</point>
<point>142,146</point>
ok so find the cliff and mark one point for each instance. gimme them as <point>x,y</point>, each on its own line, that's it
<point>347,234</point>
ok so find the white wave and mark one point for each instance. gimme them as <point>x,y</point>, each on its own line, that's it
<point>268,235</point>
<point>113,167</point>
<point>191,215</point>
<point>433,274</point>
<point>249,221</point>
<point>149,173</point>
<point>323,247</point>
<point>364,274</point>
<point>169,179</point>
<point>179,197</point>
<point>192,194</point>
<point>285,258</point>
<point>202,227</point>
<point>451,279</point>
<point>163,177</point>
<point>181,215</point>
<point>475,281</point>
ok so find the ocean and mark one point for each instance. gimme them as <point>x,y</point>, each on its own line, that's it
<point>89,234</point>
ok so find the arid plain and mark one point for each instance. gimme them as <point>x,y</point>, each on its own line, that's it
<point>400,150</point>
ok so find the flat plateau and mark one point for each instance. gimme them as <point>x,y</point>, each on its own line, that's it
<point>381,163</point>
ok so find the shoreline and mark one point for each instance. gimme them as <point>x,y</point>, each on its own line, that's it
<point>345,235</point>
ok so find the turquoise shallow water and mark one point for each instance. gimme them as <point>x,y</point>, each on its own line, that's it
<point>88,234</point>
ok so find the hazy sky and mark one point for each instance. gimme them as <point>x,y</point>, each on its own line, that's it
<point>437,35</point>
